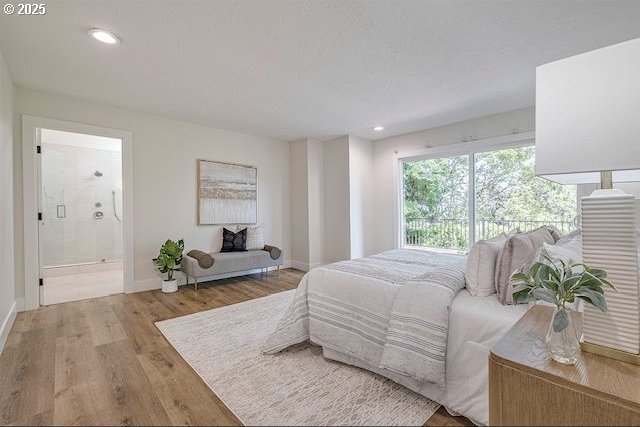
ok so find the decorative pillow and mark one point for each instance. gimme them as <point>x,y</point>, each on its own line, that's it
<point>204,259</point>
<point>255,238</point>
<point>575,234</point>
<point>555,233</point>
<point>568,248</point>
<point>274,252</point>
<point>481,265</point>
<point>234,242</point>
<point>520,249</point>
<point>218,237</point>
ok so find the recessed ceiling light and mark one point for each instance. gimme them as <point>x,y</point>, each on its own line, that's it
<point>104,36</point>
<point>378,128</point>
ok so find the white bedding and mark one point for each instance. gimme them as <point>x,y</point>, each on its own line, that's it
<point>475,325</point>
<point>346,308</point>
<point>390,309</point>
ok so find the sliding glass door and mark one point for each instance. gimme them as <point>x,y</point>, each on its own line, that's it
<point>509,196</point>
<point>450,202</point>
<point>436,203</point>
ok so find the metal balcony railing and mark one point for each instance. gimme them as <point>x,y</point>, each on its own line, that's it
<point>454,233</point>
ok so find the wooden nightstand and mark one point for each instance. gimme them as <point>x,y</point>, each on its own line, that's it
<point>527,387</point>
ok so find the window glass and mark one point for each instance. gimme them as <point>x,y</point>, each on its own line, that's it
<point>436,203</point>
<point>508,196</point>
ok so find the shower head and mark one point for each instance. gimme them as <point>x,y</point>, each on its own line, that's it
<point>98,174</point>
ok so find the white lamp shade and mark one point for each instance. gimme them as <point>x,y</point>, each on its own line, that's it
<point>588,115</point>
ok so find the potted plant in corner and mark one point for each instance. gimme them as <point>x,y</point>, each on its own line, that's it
<point>168,259</point>
<point>559,282</point>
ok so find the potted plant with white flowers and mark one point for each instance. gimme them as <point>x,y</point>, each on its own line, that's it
<point>168,259</point>
<point>561,282</point>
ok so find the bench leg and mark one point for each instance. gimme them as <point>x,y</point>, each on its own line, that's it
<point>278,271</point>
<point>187,277</point>
<point>195,283</point>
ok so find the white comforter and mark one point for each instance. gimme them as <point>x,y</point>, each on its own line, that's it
<point>390,310</point>
<point>475,325</point>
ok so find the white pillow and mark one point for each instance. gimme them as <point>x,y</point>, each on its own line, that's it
<point>217,239</point>
<point>568,248</point>
<point>255,238</point>
<point>481,265</point>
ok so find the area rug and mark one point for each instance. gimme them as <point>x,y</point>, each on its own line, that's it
<point>295,387</point>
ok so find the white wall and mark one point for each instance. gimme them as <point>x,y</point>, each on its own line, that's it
<point>164,174</point>
<point>331,200</point>
<point>361,196</point>
<point>386,151</point>
<point>307,204</point>
<point>68,180</point>
<point>315,165</point>
<point>7,282</point>
<point>337,216</point>
<point>299,205</point>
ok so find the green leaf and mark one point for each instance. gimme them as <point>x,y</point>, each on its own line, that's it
<point>595,298</point>
<point>571,282</point>
<point>600,274</point>
<point>609,284</point>
<point>545,295</point>
<point>560,320</point>
<point>169,257</point>
<point>533,270</point>
<point>523,296</point>
<point>520,277</point>
<point>551,285</point>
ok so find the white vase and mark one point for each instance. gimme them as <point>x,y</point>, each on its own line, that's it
<point>169,286</point>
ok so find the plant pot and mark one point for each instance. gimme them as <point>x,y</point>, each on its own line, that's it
<point>169,286</point>
<point>562,339</point>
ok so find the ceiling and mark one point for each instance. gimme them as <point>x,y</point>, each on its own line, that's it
<point>293,69</point>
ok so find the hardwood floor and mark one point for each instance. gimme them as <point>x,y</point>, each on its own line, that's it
<point>103,361</point>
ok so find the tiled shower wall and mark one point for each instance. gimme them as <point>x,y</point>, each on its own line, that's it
<point>71,189</point>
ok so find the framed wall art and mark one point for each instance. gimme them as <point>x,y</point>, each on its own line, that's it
<point>227,193</point>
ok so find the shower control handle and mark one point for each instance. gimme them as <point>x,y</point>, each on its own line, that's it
<point>98,215</point>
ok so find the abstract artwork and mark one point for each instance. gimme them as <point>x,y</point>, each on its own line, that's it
<point>227,193</point>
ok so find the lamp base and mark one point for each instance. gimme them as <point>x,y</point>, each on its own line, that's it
<point>611,353</point>
<point>610,242</point>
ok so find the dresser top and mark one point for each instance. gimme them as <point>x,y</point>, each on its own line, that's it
<point>523,348</point>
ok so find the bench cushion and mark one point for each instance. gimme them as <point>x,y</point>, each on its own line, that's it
<point>229,262</point>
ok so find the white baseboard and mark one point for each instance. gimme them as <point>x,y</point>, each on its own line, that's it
<point>147,284</point>
<point>305,266</point>
<point>156,283</point>
<point>20,305</point>
<point>7,323</point>
<point>300,265</point>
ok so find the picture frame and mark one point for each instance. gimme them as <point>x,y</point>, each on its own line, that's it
<point>227,193</point>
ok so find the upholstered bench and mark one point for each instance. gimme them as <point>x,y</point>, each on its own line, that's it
<point>231,262</point>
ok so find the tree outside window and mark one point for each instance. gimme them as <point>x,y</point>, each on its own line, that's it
<point>507,194</point>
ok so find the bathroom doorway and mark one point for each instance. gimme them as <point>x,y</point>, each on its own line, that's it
<point>80,216</point>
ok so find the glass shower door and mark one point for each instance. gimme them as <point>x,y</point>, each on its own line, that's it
<point>81,232</point>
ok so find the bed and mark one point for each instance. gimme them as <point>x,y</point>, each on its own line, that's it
<point>403,314</point>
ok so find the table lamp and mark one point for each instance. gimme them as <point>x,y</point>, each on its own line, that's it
<point>588,132</point>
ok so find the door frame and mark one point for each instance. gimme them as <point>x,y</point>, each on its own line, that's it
<point>30,193</point>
